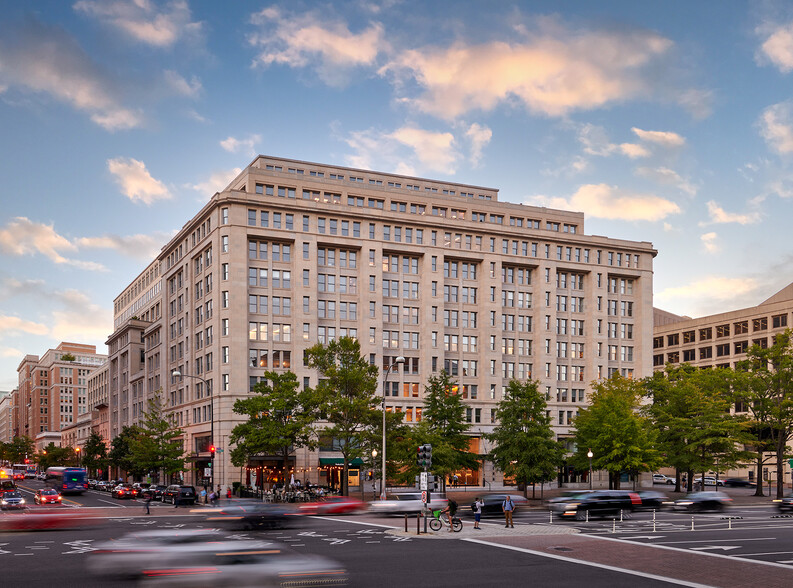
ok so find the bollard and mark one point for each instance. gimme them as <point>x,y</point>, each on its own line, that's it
<point>587,515</point>
<point>729,525</point>
<point>620,515</point>
<point>653,515</point>
<point>692,523</point>
<point>406,522</point>
<point>418,524</point>
<point>614,526</point>
<point>550,517</point>
<point>653,525</point>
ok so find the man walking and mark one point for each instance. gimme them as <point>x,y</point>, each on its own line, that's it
<point>148,502</point>
<point>508,507</point>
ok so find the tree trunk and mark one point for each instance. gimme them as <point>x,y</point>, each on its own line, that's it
<point>343,483</point>
<point>781,446</point>
<point>759,474</point>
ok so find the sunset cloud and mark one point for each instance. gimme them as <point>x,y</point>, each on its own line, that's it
<point>663,138</point>
<point>21,237</point>
<point>777,46</point>
<point>719,216</point>
<point>776,127</point>
<point>136,182</point>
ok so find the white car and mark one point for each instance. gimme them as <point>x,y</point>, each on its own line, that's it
<point>405,502</point>
<point>709,481</point>
<point>662,479</point>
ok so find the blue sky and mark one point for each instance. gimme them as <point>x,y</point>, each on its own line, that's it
<point>664,122</point>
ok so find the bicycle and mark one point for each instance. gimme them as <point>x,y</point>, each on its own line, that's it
<point>437,522</point>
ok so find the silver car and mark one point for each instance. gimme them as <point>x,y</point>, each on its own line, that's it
<point>407,502</point>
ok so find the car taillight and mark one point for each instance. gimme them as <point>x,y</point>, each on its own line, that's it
<point>65,486</point>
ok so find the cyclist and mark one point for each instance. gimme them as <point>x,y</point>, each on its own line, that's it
<point>450,510</point>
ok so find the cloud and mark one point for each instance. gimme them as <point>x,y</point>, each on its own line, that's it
<point>136,182</point>
<point>11,352</point>
<point>46,60</point>
<point>604,201</point>
<point>143,20</point>
<point>181,86</point>
<point>719,216</point>
<point>776,127</point>
<point>705,291</point>
<point>13,324</point>
<point>135,246</point>
<point>553,72</point>
<point>216,182</point>
<point>69,324</point>
<point>777,47</point>
<point>234,145</point>
<point>435,150</point>
<point>634,150</point>
<point>596,142</point>
<point>21,236</point>
<point>663,138</point>
<point>312,40</point>
<point>479,137</point>
<point>709,241</point>
<point>669,177</point>
<point>698,102</point>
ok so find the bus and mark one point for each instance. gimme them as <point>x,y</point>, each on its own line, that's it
<point>7,481</point>
<point>19,471</point>
<point>67,480</point>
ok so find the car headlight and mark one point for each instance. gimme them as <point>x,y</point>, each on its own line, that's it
<point>22,501</point>
<point>4,502</point>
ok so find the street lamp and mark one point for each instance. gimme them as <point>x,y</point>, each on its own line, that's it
<point>397,361</point>
<point>589,454</point>
<point>178,374</point>
<point>374,471</point>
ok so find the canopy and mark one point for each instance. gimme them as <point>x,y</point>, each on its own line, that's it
<point>339,461</point>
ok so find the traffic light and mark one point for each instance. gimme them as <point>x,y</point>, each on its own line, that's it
<point>424,455</point>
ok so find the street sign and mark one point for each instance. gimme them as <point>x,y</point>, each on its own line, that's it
<point>207,472</point>
<point>424,497</point>
<point>423,481</point>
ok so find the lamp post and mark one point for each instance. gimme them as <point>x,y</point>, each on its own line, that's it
<point>374,471</point>
<point>589,454</point>
<point>178,374</point>
<point>397,361</point>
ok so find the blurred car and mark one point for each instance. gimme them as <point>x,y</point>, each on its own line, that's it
<point>178,494</point>
<point>155,490</point>
<point>493,503</point>
<point>786,503</point>
<point>701,501</point>
<point>91,483</point>
<point>101,485</point>
<point>662,479</point>
<point>332,505</point>
<point>598,503</point>
<point>204,558</point>
<point>738,482</point>
<point>409,502</point>
<point>41,476</point>
<point>140,486</point>
<point>124,491</point>
<point>650,499</point>
<point>564,496</point>
<point>47,496</point>
<point>709,481</point>
<point>252,515</point>
<point>12,500</point>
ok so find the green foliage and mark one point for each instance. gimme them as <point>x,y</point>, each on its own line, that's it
<point>621,439</point>
<point>280,419</point>
<point>53,456</point>
<point>68,357</point>
<point>120,454</point>
<point>18,449</point>
<point>525,446</point>
<point>94,453</point>
<point>157,448</point>
<point>345,396</point>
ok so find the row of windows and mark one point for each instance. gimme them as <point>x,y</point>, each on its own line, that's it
<point>722,350</point>
<point>706,333</point>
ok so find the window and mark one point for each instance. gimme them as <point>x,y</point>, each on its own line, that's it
<point>741,328</point>
<point>779,321</point>
<point>760,324</point>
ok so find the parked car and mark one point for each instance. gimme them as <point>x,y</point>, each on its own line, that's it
<point>598,503</point>
<point>91,483</point>
<point>405,502</point>
<point>493,503</point>
<point>700,501</point>
<point>177,494</point>
<point>102,486</point>
<point>663,479</point>
<point>786,504</point>
<point>332,505</point>
<point>12,500</point>
<point>738,482</point>
<point>250,515</point>
<point>650,499</point>
<point>709,481</point>
<point>155,490</point>
<point>124,491</point>
<point>47,496</point>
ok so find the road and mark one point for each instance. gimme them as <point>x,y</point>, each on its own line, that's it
<point>751,548</point>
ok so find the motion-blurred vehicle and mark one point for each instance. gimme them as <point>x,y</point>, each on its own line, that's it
<point>91,483</point>
<point>652,500</point>
<point>252,515</point>
<point>155,491</point>
<point>124,491</point>
<point>786,504</point>
<point>702,501</point>
<point>598,503</point>
<point>12,500</point>
<point>198,558</point>
<point>178,494</point>
<point>102,485</point>
<point>493,503</point>
<point>663,479</point>
<point>709,481</point>
<point>405,502</point>
<point>333,505</point>
<point>738,482</point>
<point>47,496</point>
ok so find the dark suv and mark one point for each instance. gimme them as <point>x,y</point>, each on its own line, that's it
<point>600,503</point>
<point>176,494</point>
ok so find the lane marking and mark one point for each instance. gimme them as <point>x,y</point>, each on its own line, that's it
<point>355,522</point>
<point>766,553</point>
<point>591,564</point>
<point>721,540</point>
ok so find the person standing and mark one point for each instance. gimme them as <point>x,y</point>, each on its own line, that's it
<point>228,493</point>
<point>478,504</point>
<point>148,501</point>
<point>508,507</point>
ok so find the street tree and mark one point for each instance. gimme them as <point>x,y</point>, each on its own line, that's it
<point>158,448</point>
<point>94,456</point>
<point>768,379</point>
<point>20,448</point>
<point>120,454</point>
<point>621,439</point>
<point>525,447</point>
<point>345,396</point>
<point>280,419</point>
<point>55,456</point>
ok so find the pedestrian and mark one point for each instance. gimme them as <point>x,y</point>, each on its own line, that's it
<point>176,501</point>
<point>212,498</point>
<point>204,494</point>
<point>478,504</point>
<point>148,501</point>
<point>455,480</point>
<point>228,493</point>
<point>508,507</point>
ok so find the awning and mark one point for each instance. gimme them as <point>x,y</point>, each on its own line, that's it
<point>339,461</point>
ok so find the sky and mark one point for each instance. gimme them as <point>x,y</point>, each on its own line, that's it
<point>664,122</point>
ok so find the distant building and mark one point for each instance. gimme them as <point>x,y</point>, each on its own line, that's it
<point>6,416</point>
<point>293,253</point>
